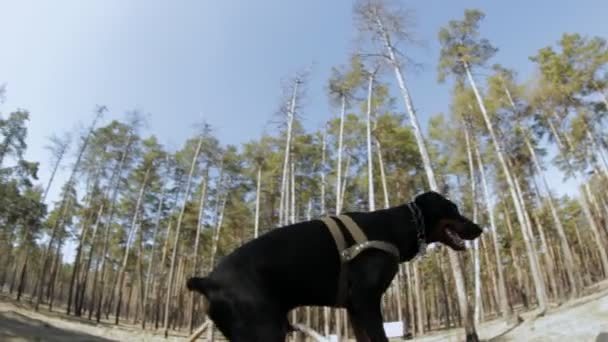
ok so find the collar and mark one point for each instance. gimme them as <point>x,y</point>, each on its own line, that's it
<point>418,220</point>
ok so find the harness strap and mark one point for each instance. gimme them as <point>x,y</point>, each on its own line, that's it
<point>341,245</point>
<point>347,254</point>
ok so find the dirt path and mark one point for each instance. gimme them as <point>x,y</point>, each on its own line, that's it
<point>580,320</point>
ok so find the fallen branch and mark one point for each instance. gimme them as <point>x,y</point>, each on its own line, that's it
<point>198,332</point>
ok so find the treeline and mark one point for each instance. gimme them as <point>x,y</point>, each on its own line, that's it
<point>143,218</point>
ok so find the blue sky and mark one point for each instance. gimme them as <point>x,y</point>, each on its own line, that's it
<point>224,60</point>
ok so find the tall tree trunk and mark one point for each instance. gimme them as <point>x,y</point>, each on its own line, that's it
<point>323,148</point>
<point>478,309</point>
<point>571,270</point>
<point>284,184</point>
<point>108,226</point>
<point>382,174</point>
<point>47,250</point>
<point>539,283</point>
<point>199,227</point>
<point>370,169</point>
<point>339,165</point>
<point>177,233</point>
<point>130,236</point>
<point>505,308</point>
<point>595,229</point>
<point>258,188</point>
<point>216,238</point>
<point>152,257</point>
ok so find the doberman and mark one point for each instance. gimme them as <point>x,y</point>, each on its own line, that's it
<point>251,290</point>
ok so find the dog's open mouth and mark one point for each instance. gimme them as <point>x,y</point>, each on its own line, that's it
<point>454,240</point>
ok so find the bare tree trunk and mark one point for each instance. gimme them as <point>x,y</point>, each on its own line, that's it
<point>595,229</point>
<point>532,256</point>
<point>478,309</point>
<point>216,238</point>
<point>130,236</point>
<point>152,257</point>
<point>323,148</point>
<point>370,168</point>
<point>339,165</point>
<point>43,269</point>
<point>505,309</point>
<point>565,245</point>
<point>382,174</point>
<point>108,225</point>
<point>199,227</point>
<point>177,233</point>
<point>457,271</point>
<point>256,219</point>
<point>284,184</point>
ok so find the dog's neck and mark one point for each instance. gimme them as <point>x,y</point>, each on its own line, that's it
<point>418,222</point>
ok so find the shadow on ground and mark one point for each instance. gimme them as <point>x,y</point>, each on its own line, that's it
<point>17,328</point>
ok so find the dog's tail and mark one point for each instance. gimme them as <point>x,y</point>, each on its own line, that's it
<point>204,285</point>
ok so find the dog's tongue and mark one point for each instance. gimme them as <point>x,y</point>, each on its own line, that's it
<point>455,238</point>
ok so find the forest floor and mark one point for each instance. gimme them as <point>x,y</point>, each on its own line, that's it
<point>582,319</point>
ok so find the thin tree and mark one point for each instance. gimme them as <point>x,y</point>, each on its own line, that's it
<point>460,49</point>
<point>71,181</point>
<point>387,27</point>
<point>177,233</point>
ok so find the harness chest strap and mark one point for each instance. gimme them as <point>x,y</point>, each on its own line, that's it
<point>347,254</point>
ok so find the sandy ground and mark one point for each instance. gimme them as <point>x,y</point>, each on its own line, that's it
<point>580,320</point>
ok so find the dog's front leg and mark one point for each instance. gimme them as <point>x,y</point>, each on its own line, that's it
<point>358,327</point>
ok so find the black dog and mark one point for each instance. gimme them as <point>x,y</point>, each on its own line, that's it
<point>251,290</point>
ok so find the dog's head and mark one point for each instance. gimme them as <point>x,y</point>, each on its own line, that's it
<point>444,223</point>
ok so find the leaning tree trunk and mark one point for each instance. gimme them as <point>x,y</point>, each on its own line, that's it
<point>505,308</point>
<point>539,283</point>
<point>177,232</point>
<point>573,276</point>
<point>595,229</point>
<point>457,271</point>
<point>130,236</point>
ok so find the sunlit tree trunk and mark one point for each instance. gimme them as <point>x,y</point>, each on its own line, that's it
<point>283,202</point>
<point>370,169</point>
<point>505,308</point>
<point>457,271</point>
<point>539,283</point>
<point>478,309</point>
<point>573,276</point>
